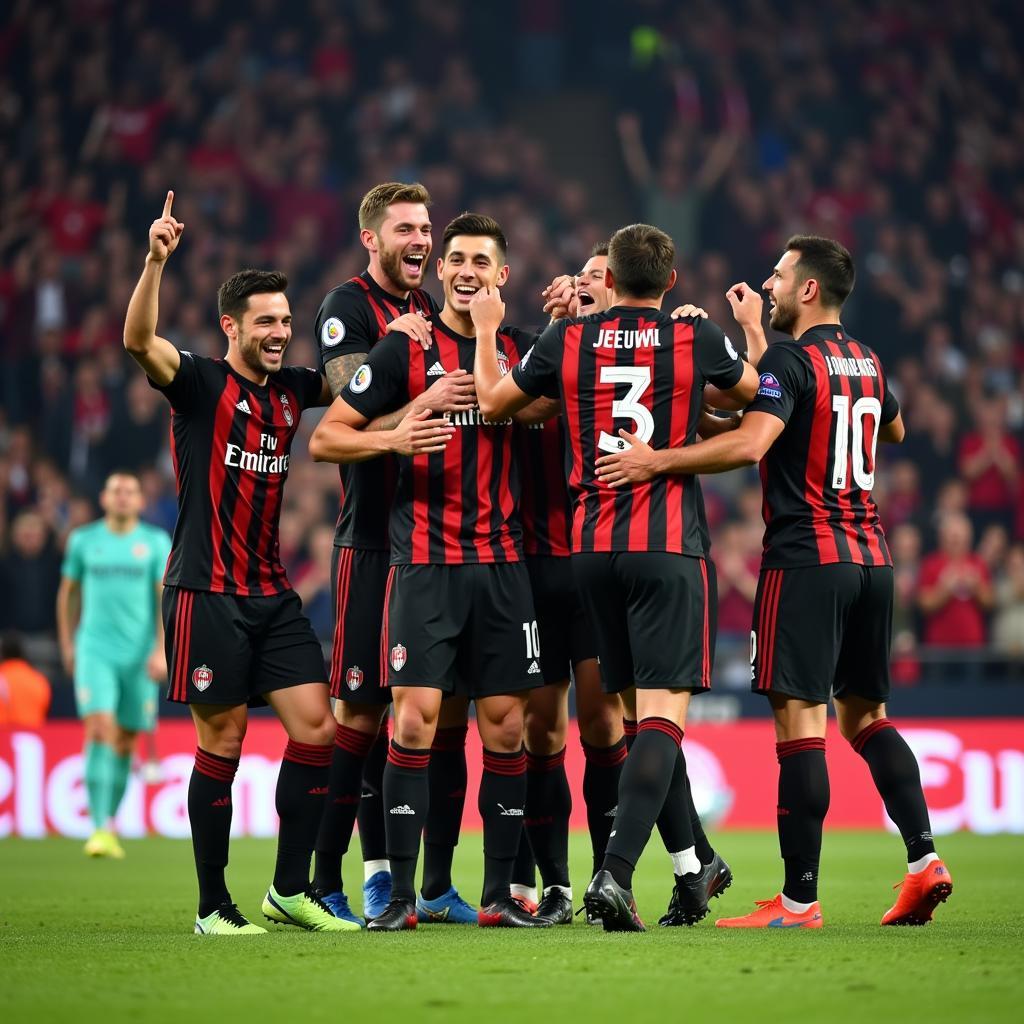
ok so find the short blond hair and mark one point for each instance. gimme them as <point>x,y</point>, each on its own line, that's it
<point>374,207</point>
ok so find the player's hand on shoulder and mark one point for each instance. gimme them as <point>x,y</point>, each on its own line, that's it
<point>688,309</point>
<point>421,432</point>
<point>416,326</point>
<point>746,304</point>
<point>487,310</point>
<point>164,233</point>
<point>454,392</point>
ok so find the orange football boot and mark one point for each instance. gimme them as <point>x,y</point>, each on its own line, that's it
<point>772,914</point>
<point>920,894</point>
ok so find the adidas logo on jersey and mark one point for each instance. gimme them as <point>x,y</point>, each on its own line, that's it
<point>402,809</point>
<point>244,406</point>
<point>533,669</point>
<point>437,370</point>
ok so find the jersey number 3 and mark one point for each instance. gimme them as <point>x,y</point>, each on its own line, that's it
<point>847,438</point>
<point>639,380</point>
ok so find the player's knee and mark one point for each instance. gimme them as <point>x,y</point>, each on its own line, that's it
<point>124,742</point>
<point>504,733</point>
<point>413,729</point>
<point>362,718</point>
<point>322,734</point>
<point>600,726</point>
<point>543,736</point>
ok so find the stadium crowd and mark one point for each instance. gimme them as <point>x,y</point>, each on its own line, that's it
<point>897,130</point>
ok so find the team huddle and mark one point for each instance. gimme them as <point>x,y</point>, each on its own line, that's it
<point>521,512</point>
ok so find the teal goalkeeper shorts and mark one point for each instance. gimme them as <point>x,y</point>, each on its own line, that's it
<point>125,691</point>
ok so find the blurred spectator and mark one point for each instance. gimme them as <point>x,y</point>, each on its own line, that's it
<point>955,588</point>
<point>1008,623</point>
<point>24,690</point>
<point>990,463</point>
<point>737,556</point>
<point>313,583</point>
<point>29,576</point>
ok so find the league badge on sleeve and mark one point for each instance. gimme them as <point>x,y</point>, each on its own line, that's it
<point>770,386</point>
<point>733,354</point>
<point>333,332</point>
<point>361,379</point>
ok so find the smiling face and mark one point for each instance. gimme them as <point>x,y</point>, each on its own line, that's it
<point>263,332</point>
<point>403,244</point>
<point>782,288</point>
<point>471,262</point>
<point>591,291</point>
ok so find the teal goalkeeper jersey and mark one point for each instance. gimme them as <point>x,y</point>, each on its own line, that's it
<point>118,573</point>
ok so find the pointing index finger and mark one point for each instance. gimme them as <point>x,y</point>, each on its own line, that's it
<point>167,204</point>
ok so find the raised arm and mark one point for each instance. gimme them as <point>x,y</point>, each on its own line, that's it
<point>156,355</point>
<point>497,394</point>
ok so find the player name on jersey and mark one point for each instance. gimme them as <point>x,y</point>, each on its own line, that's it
<point>840,366</point>
<point>609,337</point>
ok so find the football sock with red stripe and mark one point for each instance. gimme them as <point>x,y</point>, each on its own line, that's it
<point>601,773</point>
<point>301,788</point>
<point>446,780</point>
<point>898,781</point>
<point>406,798</point>
<point>372,838</point>
<point>642,790</point>
<point>803,804</point>
<point>501,802</point>
<point>209,815</point>
<point>344,786</point>
<point>548,806</point>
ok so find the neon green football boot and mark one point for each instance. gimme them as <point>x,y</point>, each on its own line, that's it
<point>305,910</point>
<point>227,920</point>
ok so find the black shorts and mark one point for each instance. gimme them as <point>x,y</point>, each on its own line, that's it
<point>566,638</point>
<point>823,629</point>
<point>467,629</point>
<point>652,616</point>
<point>358,581</point>
<point>223,649</point>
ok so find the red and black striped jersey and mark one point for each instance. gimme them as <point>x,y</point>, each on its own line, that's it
<point>544,509</point>
<point>638,369</point>
<point>544,500</point>
<point>231,444</point>
<point>831,392</point>
<point>457,506</point>
<point>352,318</point>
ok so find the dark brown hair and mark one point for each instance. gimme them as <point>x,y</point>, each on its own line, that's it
<point>233,294</point>
<point>828,262</point>
<point>479,225</point>
<point>640,258</point>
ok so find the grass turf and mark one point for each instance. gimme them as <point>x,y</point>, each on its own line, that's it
<point>104,940</point>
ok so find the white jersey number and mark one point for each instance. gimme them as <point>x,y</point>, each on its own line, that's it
<point>639,380</point>
<point>847,438</point>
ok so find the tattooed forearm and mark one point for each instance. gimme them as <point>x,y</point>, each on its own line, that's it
<point>389,420</point>
<point>340,369</point>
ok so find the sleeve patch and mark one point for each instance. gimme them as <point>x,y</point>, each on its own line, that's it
<point>770,386</point>
<point>333,332</point>
<point>361,379</point>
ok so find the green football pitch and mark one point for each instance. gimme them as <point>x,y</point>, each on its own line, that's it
<point>111,941</point>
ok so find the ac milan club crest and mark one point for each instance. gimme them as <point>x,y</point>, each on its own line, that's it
<point>503,363</point>
<point>354,677</point>
<point>202,677</point>
<point>399,656</point>
<point>287,410</point>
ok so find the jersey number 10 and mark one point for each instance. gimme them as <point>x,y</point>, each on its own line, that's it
<point>842,461</point>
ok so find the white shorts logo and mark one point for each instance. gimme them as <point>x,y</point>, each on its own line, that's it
<point>399,656</point>
<point>361,379</point>
<point>202,677</point>
<point>333,332</point>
